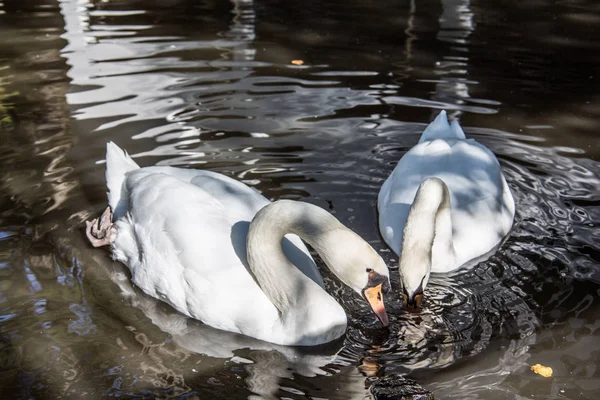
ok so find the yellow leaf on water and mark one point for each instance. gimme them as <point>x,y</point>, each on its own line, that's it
<point>542,370</point>
<point>297,62</point>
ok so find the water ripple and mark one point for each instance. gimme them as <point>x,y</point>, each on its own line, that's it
<point>211,85</point>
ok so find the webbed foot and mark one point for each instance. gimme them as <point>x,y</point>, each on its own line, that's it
<point>101,231</point>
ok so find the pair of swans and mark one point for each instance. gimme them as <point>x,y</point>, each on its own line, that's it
<point>218,251</point>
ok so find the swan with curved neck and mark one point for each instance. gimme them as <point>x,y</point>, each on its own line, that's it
<point>445,206</point>
<point>305,308</point>
<point>218,251</point>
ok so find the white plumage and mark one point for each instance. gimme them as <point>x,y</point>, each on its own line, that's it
<point>458,218</point>
<point>183,234</point>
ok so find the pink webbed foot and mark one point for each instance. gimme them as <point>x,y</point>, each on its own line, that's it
<point>101,231</point>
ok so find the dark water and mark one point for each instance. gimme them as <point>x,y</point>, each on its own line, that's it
<point>211,85</point>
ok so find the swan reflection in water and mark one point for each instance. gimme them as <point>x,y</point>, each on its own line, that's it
<point>270,362</point>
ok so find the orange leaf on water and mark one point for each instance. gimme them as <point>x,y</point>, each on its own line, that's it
<point>542,370</point>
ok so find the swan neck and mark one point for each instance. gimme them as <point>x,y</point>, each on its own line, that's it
<point>428,231</point>
<point>283,283</point>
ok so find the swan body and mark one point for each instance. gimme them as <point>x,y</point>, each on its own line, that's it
<point>188,240</point>
<point>445,205</point>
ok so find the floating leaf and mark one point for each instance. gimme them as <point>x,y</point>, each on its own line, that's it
<point>542,370</point>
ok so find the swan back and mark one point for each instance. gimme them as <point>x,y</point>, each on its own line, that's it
<point>482,206</point>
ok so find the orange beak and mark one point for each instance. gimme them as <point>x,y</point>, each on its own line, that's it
<point>374,297</point>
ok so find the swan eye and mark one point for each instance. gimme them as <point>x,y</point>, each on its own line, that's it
<point>369,270</point>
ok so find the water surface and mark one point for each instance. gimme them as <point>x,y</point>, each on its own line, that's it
<point>210,85</point>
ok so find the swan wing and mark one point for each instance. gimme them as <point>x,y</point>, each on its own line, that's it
<point>242,203</point>
<point>177,241</point>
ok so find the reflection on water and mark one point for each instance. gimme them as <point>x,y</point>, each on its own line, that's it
<point>210,85</point>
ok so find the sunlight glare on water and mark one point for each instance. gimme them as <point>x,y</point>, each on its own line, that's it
<point>211,85</point>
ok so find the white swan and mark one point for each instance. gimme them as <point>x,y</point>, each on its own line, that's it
<point>445,205</point>
<point>187,239</point>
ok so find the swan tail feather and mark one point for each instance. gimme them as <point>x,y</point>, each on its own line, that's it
<point>457,130</point>
<point>118,163</point>
<point>439,128</point>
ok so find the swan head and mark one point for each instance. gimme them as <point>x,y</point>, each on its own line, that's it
<point>412,295</point>
<point>377,285</point>
<point>359,266</point>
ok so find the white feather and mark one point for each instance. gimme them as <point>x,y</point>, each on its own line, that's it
<point>481,205</point>
<point>183,236</point>
<point>120,164</point>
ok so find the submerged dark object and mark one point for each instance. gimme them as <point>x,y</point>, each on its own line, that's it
<point>397,387</point>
